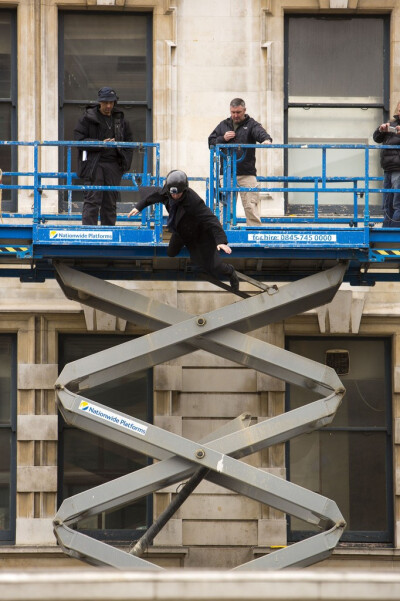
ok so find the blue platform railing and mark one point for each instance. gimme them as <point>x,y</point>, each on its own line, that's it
<point>68,181</point>
<point>311,231</point>
<point>224,162</point>
<point>221,186</point>
<point>149,175</point>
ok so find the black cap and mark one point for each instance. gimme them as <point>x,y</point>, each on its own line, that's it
<point>107,94</point>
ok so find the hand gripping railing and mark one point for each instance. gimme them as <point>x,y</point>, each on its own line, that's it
<point>176,333</point>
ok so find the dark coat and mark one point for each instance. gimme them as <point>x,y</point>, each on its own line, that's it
<point>248,132</point>
<point>390,159</point>
<point>190,205</point>
<point>193,225</point>
<point>89,128</point>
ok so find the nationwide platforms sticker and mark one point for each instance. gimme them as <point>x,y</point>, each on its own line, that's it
<point>114,418</point>
<point>83,235</point>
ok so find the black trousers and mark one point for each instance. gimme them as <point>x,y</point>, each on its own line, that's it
<point>108,173</point>
<point>202,250</point>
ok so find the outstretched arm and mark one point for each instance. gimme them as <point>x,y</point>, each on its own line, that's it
<point>227,249</point>
<point>149,195</point>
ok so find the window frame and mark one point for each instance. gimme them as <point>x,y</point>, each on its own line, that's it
<point>62,102</point>
<point>107,535</point>
<point>7,536</point>
<point>383,537</point>
<point>384,106</point>
<point>10,205</point>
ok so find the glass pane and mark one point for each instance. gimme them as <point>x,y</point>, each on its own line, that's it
<point>105,49</point>
<point>5,56</point>
<point>347,467</point>
<point>364,404</point>
<point>333,126</point>
<point>90,460</point>
<point>5,473</point>
<point>5,151</point>
<point>350,466</point>
<point>6,356</point>
<point>329,57</point>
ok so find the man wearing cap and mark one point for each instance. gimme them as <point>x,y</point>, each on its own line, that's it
<point>192,225</point>
<point>102,166</point>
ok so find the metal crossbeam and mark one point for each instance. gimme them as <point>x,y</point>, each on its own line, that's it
<point>220,332</point>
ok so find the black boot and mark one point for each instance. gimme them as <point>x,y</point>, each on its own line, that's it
<point>234,281</point>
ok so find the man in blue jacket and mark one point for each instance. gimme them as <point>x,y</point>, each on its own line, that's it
<point>99,166</point>
<point>192,225</point>
<point>239,128</point>
<point>389,134</point>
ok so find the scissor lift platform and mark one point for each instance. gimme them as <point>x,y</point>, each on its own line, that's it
<point>285,252</point>
<point>222,332</point>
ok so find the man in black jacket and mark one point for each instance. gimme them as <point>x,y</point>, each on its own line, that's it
<point>192,225</point>
<point>389,134</point>
<point>242,129</point>
<point>102,166</point>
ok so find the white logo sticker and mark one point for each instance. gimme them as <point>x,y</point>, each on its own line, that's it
<point>109,416</point>
<point>84,235</point>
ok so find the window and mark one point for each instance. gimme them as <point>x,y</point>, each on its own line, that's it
<point>8,95</point>
<point>336,92</point>
<point>8,419</point>
<point>350,460</point>
<point>98,49</point>
<point>86,460</point>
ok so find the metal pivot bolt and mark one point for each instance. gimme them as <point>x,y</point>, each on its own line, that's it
<point>200,454</point>
<point>201,321</point>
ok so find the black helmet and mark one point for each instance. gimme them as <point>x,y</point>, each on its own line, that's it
<point>176,182</point>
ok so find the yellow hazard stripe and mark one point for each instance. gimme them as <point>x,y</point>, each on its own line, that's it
<point>11,249</point>
<point>388,253</point>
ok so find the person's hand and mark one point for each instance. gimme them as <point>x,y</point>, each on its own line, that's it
<point>267,141</point>
<point>109,140</point>
<point>133,212</point>
<point>397,129</point>
<point>229,135</point>
<point>225,248</point>
<point>384,127</point>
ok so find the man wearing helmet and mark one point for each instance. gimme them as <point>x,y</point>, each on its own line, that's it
<point>192,225</point>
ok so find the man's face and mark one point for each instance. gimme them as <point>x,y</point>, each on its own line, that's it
<point>177,196</point>
<point>238,113</point>
<point>106,108</point>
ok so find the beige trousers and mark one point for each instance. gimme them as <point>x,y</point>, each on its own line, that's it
<point>250,200</point>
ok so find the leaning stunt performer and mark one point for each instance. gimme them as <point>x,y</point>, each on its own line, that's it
<point>192,225</point>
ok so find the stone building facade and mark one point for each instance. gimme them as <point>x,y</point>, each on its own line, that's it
<point>203,54</point>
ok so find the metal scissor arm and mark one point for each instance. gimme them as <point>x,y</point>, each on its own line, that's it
<point>220,332</point>
<point>211,332</point>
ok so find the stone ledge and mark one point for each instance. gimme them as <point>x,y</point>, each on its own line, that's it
<point>51,550</point>
<point>345,552</point>
<point>191,585</point>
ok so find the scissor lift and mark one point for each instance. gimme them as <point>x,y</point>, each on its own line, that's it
<point>175,333</point>
<point>313,251</point>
